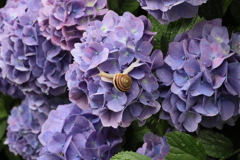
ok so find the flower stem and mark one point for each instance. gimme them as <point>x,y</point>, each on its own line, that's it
<point>233,153</point>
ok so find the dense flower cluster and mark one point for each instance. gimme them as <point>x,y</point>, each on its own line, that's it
<point>154,147</point>
<point>166,11</point>
<point>204,78</point>
<point>64,21</point>
<point>117,44</point>
<point>24,125</point>
<point>29,60</point>
<point>71,133</point>
<point>235,43</point>
<point>9,89</point>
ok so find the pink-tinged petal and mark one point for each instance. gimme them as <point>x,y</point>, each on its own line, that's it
<point>79,97</point>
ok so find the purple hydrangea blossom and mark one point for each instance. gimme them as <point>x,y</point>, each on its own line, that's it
<point>9,89</point>
<point>64,21</point>
<point>117,44</point>
<point>24,125</point>
<point>71,133</point>
<point>29,60</point>
<point>166,11</point>
<point>204,79</point>
<point>235,43</point>
<point>154,147</point>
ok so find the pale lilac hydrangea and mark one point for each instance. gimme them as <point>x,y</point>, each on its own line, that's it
<point>154,147</point>
<point>166,11</point>
<point>24,125</point>
<point>117,44</point>
<point>235,42</point>
<point>29,60</point>
<point>64,21</point>
<point>204,79</point>
<point>70,133</point>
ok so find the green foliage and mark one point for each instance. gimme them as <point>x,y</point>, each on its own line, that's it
<point>159,29</point>
<point>215,144</point>
<point>134,136</point>
<point>130,156</point>
<point>121,6</point>
<point>10,155</point>
<point>157,126</point>
<point>235,10</point>
<point>184,147</point>
<point>3,125</point>
<point>212,9</point>
<point>129,6</point>
<point>226,4</point>
<point>3,112</point>
<point>166,33</point>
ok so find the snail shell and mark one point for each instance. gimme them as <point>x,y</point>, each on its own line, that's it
<point>122,82</point>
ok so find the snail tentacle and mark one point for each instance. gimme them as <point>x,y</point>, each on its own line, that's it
<point>131,67</point>
<point>121,81</point>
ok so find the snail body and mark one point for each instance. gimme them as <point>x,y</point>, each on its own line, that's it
<point>121,81</point>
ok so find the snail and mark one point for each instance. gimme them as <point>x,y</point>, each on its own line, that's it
<point>121,81</point>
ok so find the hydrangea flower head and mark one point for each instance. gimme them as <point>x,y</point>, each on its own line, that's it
<point>117,46</point>
<point>64,21</point>
<point>24,125</point>
<point>204,82</point>
<point>8,88</point>
<point>29,60</point>
<point>71,133</point>
<point>154,147</point>
<point>235,43</point>
<point>166,11</point>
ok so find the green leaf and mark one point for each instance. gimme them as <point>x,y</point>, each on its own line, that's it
<point>166,33</point>
<point>156,125</point>
<point>2,145</point>
<point>129,6</point>
<point>226,4</point>
<point>3,112</point>
<point>215,144</point>
<point>3,126</point>
<point>129,156</point>
<point>160,29</point>
<point>235,9</point>
<point>113,5</point>
<point>211,10</point>
<point>134,136</point>
<point>10,155</point>
<point>184,147</point>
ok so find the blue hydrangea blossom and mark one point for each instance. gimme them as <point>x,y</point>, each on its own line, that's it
<point>29,60</point>
<point>204,79</point>
<point>166,11</point>
<point>71,133</point>
<point>117,44</point>
<point>154,147</point>
<point>24,125</point>
<point>64,21</point>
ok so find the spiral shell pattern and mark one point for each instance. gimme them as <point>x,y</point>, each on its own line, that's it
<point>122,82</point>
